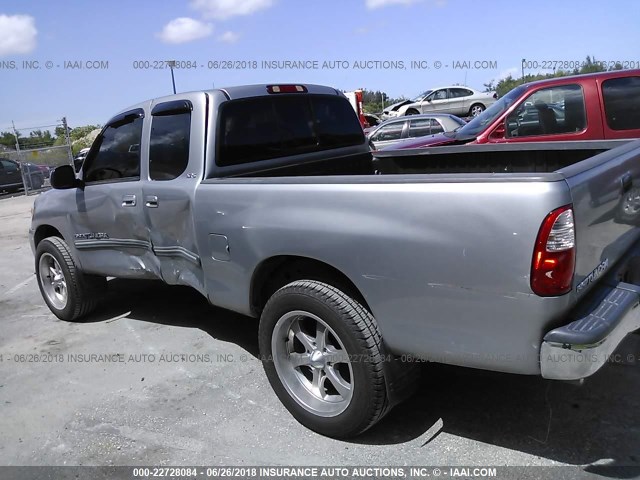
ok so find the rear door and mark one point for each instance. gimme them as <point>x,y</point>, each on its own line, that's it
<point>175,164</point>
<point>459,101</point>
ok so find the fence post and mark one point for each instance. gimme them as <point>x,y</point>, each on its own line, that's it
<point>20,162</point>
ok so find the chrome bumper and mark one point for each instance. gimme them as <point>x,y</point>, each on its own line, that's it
<point>580,348</point>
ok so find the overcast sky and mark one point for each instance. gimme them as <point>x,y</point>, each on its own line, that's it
<point>451,32</point>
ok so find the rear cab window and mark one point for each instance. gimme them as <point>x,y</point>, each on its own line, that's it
<point>264,128</point>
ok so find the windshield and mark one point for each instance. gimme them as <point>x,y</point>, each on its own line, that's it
<point>421,96</point>
<point>478,124</point>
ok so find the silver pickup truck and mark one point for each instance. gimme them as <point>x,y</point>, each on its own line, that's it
<point>267,200</point>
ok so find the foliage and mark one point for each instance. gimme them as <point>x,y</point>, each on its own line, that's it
<point>45,138</point>
<point>372,101</point>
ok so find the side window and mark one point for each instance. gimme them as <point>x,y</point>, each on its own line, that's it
<point>622,103</point>
<point>440,95</point>
<point>435,126</point>
<point>459,92</point>
<point>549,111</point>
<point>8,166</point>
<point>389,132</point>
<point>420,127</point>
<point>118,152</point>
<point>169,146</point>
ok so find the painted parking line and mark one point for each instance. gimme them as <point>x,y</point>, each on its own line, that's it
<point>13,290</point>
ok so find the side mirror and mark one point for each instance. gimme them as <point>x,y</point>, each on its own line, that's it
<point>498,132</point>
<point>64,177</point>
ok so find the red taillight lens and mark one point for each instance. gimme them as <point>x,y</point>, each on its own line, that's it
<point>286,89</point>
<point>554,256</point>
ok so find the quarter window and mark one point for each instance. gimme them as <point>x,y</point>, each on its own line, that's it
<point>169,146</point>
<point>118,154</point>
<point>622,103</point>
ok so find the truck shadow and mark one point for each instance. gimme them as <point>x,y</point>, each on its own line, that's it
<point>598,421</point>
<point>155,302</point>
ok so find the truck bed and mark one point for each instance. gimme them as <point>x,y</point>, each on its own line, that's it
<point>542,157</point>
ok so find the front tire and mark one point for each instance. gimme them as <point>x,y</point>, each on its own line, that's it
<point>322,353</point>
<point>412,111</point>
<point>68,293</point>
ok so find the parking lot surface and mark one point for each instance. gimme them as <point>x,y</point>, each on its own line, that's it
<point>159,377</point>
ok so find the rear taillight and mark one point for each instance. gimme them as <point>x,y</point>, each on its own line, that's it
<point>554,256</point>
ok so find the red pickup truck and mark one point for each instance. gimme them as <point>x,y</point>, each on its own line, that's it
<point>598,106</point>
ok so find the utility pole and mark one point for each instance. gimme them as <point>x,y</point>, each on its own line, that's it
<point>522,65</point>
<point>172,63</point>
<point>67,139</point>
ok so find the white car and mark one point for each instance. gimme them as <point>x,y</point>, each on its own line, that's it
<point>455,100</point>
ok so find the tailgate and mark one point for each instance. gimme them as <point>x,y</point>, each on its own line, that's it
<point>606,201</point>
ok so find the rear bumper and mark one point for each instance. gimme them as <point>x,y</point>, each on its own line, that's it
<point>580,348</point>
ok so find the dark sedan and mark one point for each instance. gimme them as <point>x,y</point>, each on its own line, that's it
<point>11,175</point>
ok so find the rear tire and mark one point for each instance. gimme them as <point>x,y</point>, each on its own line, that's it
<point>629,207</point>
<point>68,293</point>
<point>322,353</point>
<point>476,109</point>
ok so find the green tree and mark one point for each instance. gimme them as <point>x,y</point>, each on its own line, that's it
<point>8,139</point>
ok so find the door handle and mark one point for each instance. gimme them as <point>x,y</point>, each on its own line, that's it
<point>151,201</point>
<point>128,200</point>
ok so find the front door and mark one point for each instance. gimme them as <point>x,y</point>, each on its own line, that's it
<point>437,102</point>
<point>110,234</point>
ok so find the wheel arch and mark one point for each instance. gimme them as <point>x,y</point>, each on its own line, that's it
<point>44,231</point>
<point>278,271</point>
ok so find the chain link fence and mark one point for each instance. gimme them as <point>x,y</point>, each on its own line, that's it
<point>36,154</point>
